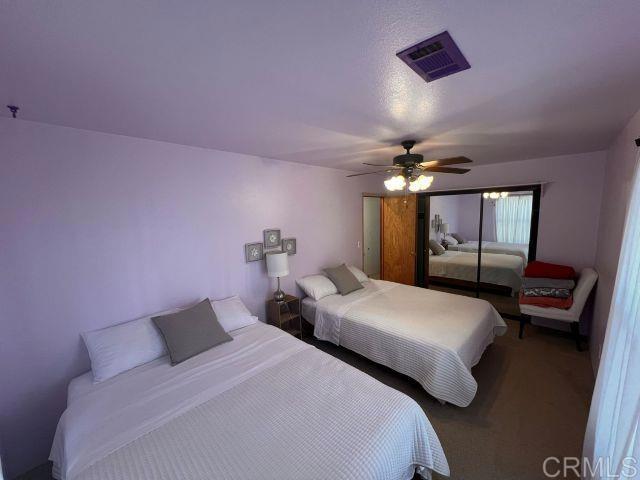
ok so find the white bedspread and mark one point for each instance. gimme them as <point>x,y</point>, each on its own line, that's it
<point>497,269</point>
<point>262,406</point>
<point>433,337</point>
<point>518,249</point>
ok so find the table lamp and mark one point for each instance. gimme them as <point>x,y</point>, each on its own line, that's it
<point>278,266</point>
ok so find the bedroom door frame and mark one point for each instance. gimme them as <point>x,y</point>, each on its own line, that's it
<point>536,190</point>
<point>362,241</point>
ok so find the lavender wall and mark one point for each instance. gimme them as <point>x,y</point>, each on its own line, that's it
<point>98,229</point>
<point>621,165</point>
<point>469,206</point>
<point>447,208</point>
<point>569,207</point>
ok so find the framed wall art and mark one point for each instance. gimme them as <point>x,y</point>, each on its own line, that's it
<point>272,238</point>
<point>289,246</point>
<point>253,252</point>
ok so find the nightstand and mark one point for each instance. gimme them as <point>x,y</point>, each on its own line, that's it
<point>286,315</point>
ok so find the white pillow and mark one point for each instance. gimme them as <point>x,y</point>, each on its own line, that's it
<point>116,349</point>
<point>359,274</point>
<point>317,286</point>
<point>450,240</point>
<point>232,313</point>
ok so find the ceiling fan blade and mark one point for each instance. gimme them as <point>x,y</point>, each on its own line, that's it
<point>368,173</point>
<point>378,165</point>
<point>445,170</point>
<point>445,161</point>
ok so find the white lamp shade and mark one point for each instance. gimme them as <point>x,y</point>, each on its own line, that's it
<point>444,228</point>
<point>277,264</point>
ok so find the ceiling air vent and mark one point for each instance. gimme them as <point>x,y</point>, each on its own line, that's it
<point>435,57</point>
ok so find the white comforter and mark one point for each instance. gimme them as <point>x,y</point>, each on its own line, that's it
<point>433,337</point>
<point>264,405</point>
<point>518,249</point>
<point>497,269</point>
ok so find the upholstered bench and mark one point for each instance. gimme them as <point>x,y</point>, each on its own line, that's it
<point>584,285</point>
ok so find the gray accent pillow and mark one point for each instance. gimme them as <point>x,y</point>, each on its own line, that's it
<point>458,237</point>
<point>190,332</point>
<point>436,248</point>
<point>344,280</point>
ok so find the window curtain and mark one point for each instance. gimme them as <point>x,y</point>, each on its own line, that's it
<point>612,430</point>
<point>513,218</point>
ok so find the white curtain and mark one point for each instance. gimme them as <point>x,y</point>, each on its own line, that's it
<point>513,218</point>
<point>612,431</point>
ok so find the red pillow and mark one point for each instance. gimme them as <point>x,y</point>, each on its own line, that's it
<point>549,270</point>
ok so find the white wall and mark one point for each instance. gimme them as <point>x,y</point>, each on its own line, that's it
<point>620,168</point>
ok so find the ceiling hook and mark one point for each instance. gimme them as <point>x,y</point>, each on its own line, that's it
<point>14,110</point>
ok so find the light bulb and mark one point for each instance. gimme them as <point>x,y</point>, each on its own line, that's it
<point>420,183</point>
<point>395,183</point>
<point>494,195</point>
<point>485,194</point>
<point>504,194</point>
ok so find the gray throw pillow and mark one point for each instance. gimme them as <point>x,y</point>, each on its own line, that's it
<point>458,237</point>
<point>190,332</point>
<point>344,280</point>
<point>436,248</point>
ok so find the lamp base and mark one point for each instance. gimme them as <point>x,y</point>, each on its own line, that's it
<point>278,296</point>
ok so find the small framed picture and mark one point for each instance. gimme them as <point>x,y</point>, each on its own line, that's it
<point>271,238</point>
<point>253,252</point>
<point>289,245</point>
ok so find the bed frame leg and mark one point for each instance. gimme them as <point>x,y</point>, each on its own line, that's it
<point>575,330</point>
<point>523,322</point>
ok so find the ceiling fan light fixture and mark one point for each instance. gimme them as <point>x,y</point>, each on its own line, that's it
<point>495,195</point>
<point>395,183</point>
<point>421,183</point>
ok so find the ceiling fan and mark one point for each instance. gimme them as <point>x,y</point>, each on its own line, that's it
<point>410,168</point>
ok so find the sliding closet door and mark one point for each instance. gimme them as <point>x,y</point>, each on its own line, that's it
<point>399,239</point>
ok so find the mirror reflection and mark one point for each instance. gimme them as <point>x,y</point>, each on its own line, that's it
<point>479,244</point>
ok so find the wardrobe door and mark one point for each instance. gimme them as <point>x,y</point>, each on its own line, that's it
<point>399,239</point>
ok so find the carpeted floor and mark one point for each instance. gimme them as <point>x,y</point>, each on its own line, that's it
<point>532,402</point>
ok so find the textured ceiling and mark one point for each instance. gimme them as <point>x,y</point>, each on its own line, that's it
<point>318,81</point>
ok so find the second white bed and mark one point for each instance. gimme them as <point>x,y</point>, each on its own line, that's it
<point>430,336</point>
<point>518,249</point>
<point>497,269</point>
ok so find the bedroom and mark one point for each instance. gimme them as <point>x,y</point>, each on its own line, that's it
<point>152,142</point>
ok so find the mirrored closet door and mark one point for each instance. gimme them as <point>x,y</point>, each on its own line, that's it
<point>506,237</point>
<point>478,242</point>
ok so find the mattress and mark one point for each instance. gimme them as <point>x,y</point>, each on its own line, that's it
<point>430,336</point>
<point>309,310</point>
<point>518,249</point>
<point>264,405</point>
<point>497,269</point>
<point>79,386</point>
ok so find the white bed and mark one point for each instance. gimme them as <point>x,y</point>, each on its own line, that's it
<point>497,269</point>
<point>430,336</point>
<point>264,405</point>
<point>518,249</point>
